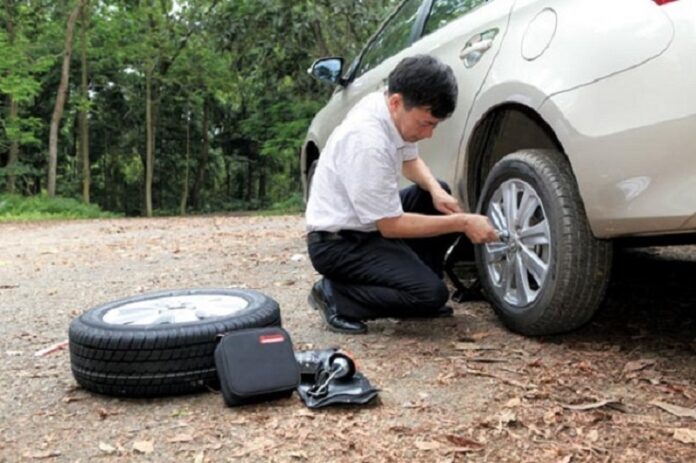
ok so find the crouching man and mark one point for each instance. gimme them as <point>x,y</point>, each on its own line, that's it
<point>381,250</point>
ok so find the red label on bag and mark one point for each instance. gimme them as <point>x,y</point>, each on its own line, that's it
<point>271,338</point>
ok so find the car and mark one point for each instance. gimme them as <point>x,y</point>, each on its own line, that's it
<point>574,129</point>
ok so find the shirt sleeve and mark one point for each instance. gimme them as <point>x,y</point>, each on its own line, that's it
<point>409,152</point>
<point>370,179</point>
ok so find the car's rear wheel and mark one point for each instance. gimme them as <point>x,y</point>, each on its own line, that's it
<point>549,273</point>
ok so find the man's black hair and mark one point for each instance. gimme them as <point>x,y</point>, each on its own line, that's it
<point>424,81</point>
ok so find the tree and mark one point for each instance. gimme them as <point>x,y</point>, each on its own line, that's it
<point>61,96</point>
<point>19,83</point>
<point>84,105</point>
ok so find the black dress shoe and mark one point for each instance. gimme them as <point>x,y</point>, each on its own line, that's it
<point>321,300</point>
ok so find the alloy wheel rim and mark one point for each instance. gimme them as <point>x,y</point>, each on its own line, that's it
<point>518,265</point>
<point>175,310</point>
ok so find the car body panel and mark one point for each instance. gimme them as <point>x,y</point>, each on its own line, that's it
<point>631,140</point>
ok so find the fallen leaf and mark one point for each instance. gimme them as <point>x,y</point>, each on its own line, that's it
<point>464,442</point>
<point>514,402</point>
<point>298,455</point>
<point>199,458</point>
<point>106,448</point>
<point>284,283</point>
<point>593,435</point>
<point>256,445</point>
<point>14,353</point>
<point>675,409</point>
<point>507,417</point>
<point>68,400</point>
<point>687,436</point>
<point>428,445</point>
<point>42,455</point>
<point>51,349</point>
<point>638,365</point>
<point>180,438</point>
<point>144,446</point>
<point>469,346</point>
<point>238,421</point>
<point>611,403</point>
<point>401,429</point>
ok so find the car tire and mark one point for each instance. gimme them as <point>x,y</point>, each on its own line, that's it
<point>115,351</point>
<point>550,275</point>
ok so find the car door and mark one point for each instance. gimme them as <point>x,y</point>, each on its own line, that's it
<point>465,34</point>
<point>369,72</point>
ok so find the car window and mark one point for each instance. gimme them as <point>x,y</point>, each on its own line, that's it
<point>444,11</point>
<point>394,37</point>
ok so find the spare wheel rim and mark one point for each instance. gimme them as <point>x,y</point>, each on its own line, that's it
<point>173,310</point>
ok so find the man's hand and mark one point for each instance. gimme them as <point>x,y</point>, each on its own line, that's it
<point>445,202</point>
<point>479,229</point>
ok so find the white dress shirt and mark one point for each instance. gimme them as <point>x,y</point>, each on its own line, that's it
<point>356,182</point>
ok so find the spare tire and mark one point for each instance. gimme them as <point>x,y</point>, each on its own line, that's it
<point>161,343</point>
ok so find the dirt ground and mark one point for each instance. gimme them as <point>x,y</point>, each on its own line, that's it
<point>460,389</point>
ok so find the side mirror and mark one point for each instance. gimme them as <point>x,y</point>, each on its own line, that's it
<point>329,70</point>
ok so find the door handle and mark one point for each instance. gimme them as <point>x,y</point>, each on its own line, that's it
<point>475,50</point>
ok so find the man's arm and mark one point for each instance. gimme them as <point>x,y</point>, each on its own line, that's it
<point>418,172</point>
<point>408,225</point>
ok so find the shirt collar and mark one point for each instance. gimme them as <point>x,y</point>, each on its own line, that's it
<point>386,119</point>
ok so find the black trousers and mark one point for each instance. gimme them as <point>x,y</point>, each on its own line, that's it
<point>372,276</point>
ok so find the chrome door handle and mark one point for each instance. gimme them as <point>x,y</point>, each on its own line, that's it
<point>476,48</point>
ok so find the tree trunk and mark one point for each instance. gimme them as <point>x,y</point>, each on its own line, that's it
<point>185,189</point>
<point>83,121</point>
<point>319,37</point>
<point>249,181</point>
<point>203,160</point>
<point>149,142</point>
<point>14,146</point>
<point>262,179</point>
<point>12,105</point>
<point>60,100</point>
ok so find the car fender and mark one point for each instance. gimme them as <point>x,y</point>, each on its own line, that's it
<point>489,100</point>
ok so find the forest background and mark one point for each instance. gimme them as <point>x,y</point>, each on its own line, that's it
<point>161,107</point>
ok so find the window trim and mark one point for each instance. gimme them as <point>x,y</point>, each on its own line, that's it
<point>426,16</point>
<point>416,30</point>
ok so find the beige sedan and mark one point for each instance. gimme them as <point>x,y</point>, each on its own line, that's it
<point>575,126</point>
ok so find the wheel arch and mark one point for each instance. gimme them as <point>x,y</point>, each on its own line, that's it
<point>503,129</point>
<point>310,153</point>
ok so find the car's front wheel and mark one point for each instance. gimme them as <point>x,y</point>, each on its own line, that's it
<point>548,274</point>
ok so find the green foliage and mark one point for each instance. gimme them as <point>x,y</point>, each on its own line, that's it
<point>294,204</point>
<point>41,207</point>
<point>243,61</point>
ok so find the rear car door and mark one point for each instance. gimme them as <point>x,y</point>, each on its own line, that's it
<point>467,35</point>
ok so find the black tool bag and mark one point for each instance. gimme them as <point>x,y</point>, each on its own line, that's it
<point>256,365</point>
